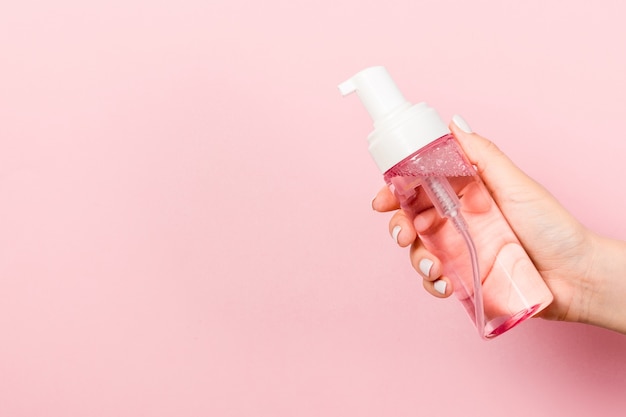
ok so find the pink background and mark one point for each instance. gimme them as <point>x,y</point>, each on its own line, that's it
<point>185,222</point>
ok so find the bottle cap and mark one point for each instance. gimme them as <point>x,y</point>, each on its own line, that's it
<point>400,129</point>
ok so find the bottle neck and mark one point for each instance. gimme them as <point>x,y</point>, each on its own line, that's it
<point>403,133</point>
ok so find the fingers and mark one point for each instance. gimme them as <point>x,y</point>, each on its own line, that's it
<point>385,201</point>
<point>430,268</point>
<point>498,172</point>
<point>401,229</point>
<point>479,150</point>
<point>440,288</point>
<point>425,263</point>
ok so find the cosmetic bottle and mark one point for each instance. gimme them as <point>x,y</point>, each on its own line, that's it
<point>455,216</point>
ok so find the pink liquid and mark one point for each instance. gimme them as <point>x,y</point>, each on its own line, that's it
<point>512,288</point>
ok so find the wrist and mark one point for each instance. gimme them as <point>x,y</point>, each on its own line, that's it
<point>606,285</point>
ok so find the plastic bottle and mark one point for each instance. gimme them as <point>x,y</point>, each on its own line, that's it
<point>458,220</point>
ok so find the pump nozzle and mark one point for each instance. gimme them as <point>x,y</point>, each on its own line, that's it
<point>377,91</point>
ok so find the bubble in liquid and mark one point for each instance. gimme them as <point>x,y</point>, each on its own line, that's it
<point>442,159</point>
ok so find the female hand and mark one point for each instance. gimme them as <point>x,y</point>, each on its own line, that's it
<point>580,268</point>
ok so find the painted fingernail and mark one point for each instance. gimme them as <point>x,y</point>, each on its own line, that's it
<point>440,286</point>
<point>374,203</point>
<point>461,123</point>
<point>395,232</point>
<point>425,266</point>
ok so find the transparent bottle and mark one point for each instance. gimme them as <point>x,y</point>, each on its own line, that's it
<point>455,216</point>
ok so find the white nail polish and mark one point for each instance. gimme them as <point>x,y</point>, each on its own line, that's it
<point>461,123</point>
<point>440,286</point>
<point>425,265</point>
<point>395,232</point>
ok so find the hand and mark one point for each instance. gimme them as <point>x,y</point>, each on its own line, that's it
<point>571,259</point>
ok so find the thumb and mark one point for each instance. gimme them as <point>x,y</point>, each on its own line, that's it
<point>501,176</point>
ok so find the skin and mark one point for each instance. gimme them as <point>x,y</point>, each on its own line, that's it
<point>586,272</point>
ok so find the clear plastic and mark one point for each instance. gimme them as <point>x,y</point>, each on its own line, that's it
<point>469,235</point>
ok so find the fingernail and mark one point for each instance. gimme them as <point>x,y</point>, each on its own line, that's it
<point>461,123</point>
<point>395,232</point>
<point>425,266</point>
<point>440,286</point>
<point>373,203</point>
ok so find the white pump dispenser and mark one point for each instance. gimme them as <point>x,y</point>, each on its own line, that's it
<point>400,128</point>
<point>377,91</point>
